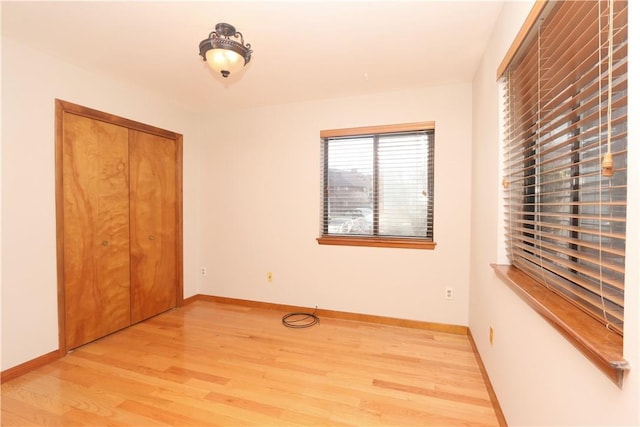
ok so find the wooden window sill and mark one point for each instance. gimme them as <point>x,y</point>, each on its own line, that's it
<point>385,242</point>
<point>601,346</point>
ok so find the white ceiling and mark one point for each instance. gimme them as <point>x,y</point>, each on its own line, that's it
<point>302,50</point>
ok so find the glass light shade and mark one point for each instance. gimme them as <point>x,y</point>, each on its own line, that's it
<point>221,60</point>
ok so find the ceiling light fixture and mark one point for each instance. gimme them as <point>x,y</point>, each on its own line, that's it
<point>223,54</point>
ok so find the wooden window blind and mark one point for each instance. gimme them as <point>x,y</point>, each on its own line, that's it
<point>377,185</point>
<point>565,110</point>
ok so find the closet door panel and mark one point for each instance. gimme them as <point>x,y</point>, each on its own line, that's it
<point>96,229</point>
<point>153,224</point>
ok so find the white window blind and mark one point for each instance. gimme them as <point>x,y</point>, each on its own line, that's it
<point>566,113</point>
<point>378,184</point>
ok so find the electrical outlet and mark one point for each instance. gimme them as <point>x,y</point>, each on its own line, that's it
<point>203,271</point>
<point>269,277</point>
<point>491,335</point>
<point>448,293</point>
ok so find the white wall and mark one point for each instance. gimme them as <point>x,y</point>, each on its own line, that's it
<point>30,83</point>
<point>262,198</point>
<point>540,378</point>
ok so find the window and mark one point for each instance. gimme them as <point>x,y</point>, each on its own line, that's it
<point>566,118</point>
<point>377,186</point>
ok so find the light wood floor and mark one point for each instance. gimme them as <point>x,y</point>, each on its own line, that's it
<point>218,364</point>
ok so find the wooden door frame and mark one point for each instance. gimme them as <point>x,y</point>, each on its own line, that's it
<point>62,107</point>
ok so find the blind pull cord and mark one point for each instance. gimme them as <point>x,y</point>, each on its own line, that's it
<point>607,161</point>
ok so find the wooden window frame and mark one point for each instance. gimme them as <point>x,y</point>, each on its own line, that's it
<point>379,241</point>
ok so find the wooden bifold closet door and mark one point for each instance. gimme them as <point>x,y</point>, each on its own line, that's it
<point>118,188</point>
<point>96,228</point>
<point>153,224</point>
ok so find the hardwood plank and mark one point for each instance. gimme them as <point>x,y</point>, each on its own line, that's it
<point>20,412</point>
<point>209,363</point>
